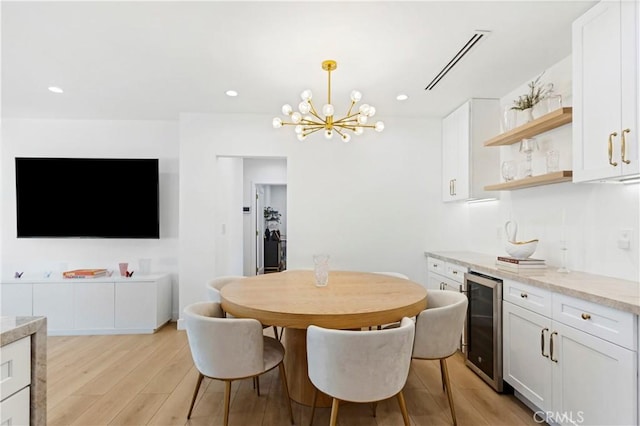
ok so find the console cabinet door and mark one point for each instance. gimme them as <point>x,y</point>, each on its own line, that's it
<point>594,381</point>
<point>526,364</point>
<point>54,301</point>
<point>136,305</point>
<point>94,305</point>
<point>17,300</point>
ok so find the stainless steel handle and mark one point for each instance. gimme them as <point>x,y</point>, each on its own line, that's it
<point>454,186</point>
<point>551,346</point>
<point>455,272</point>
<point>524,295</point>
<point>542,343</point>
<point>451,187</point>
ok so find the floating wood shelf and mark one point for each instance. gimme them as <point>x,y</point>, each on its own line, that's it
<point>542,124</point>
<point>549,178</point>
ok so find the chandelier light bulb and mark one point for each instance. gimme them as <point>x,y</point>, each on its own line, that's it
<point>304,107</point>
<point>309,119</point>
<point>372,111</point>
<point>327,110</point>
<point>328,133</point>
<point>306,95</point>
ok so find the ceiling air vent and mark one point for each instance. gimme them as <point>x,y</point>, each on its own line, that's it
<point>473,41</point>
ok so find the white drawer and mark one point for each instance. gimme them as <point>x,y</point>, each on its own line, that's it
<point>455,272</point>
<point>529,297</point>
<point>436,265</point>
<point>14,411</point>
<point>15,366</point>
<point>602,321</point>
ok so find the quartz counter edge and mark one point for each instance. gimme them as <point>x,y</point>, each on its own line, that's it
<point>616,293</point>
<point>16,328</point>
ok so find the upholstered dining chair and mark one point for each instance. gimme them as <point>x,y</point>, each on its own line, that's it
<point>213,291</point>
<point>229,349</point>
<point>438,331</point>
<point>392,274</point>
<point>360,366</point>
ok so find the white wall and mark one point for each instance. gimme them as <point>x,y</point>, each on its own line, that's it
<point>373,204</point>
<point>594,212</point>
<point>87,138</point>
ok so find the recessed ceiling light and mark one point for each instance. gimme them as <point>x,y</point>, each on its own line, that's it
<point>55,89</point>
<point>402,97</point>
<point>231,93</point>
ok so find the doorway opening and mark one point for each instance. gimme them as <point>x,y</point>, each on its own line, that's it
<point>265,235</point>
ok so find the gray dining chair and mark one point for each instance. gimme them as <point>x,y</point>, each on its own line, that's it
<point>438,332</point>
<point>360,366</point>
<point>230,349</point>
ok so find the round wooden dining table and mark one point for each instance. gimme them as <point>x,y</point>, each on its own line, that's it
<point>290,299</point>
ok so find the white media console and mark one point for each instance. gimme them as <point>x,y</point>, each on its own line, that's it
<point>105,305</point>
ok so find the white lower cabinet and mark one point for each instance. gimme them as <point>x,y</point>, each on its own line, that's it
<point>15,372</point>
<point>93,306</point>
<point>444,275</point>
<point>571,376</point>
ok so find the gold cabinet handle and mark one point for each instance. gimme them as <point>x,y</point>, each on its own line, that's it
<point>611,136</point>
<point>585,316</point>
<point>542,343</point>
<point>623,146</point>
<point>551,347</point>
<point>524,295</point>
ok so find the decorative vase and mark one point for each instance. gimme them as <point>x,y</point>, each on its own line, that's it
<point>527,114</point>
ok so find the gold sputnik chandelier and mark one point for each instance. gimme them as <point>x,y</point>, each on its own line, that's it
<point>307,120</point>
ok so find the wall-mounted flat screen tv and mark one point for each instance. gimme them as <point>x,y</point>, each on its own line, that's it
<point>87,198</point>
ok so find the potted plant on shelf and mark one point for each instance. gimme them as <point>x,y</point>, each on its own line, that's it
<point>537,92</point>
<point>272,217</point>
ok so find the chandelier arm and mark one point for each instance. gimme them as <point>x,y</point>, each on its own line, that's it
<point>313,126</point>
<point>313,131</point>
<point>305,121</point>
<point>347,117</point>
<point>338,131</point>
<point>346,126</point>
<point>350,108</point>
<point>314,112</point>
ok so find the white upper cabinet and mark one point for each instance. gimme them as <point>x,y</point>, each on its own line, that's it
<point>605,92</point>
<point>466,166</point>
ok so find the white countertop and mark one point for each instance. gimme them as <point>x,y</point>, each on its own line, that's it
<point>614,292</point>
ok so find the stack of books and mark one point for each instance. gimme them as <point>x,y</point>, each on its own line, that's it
<point>513,264</point>
<point>85,273</point>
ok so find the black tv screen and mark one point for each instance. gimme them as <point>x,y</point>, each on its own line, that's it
<point>87,197</point>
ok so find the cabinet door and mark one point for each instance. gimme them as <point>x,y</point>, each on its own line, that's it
<point>526,364</point>
<point>94,305</point>
<point>605,91</point>
<point>16,300</point>
<point>594,381</point>
<point>455,154</point>
<point>136,305</point>
<point>54,301</point>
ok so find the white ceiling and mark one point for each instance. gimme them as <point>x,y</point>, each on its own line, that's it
<point>154,60</point>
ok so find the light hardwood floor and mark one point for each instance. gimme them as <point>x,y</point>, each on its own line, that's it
<point>149,379</point>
